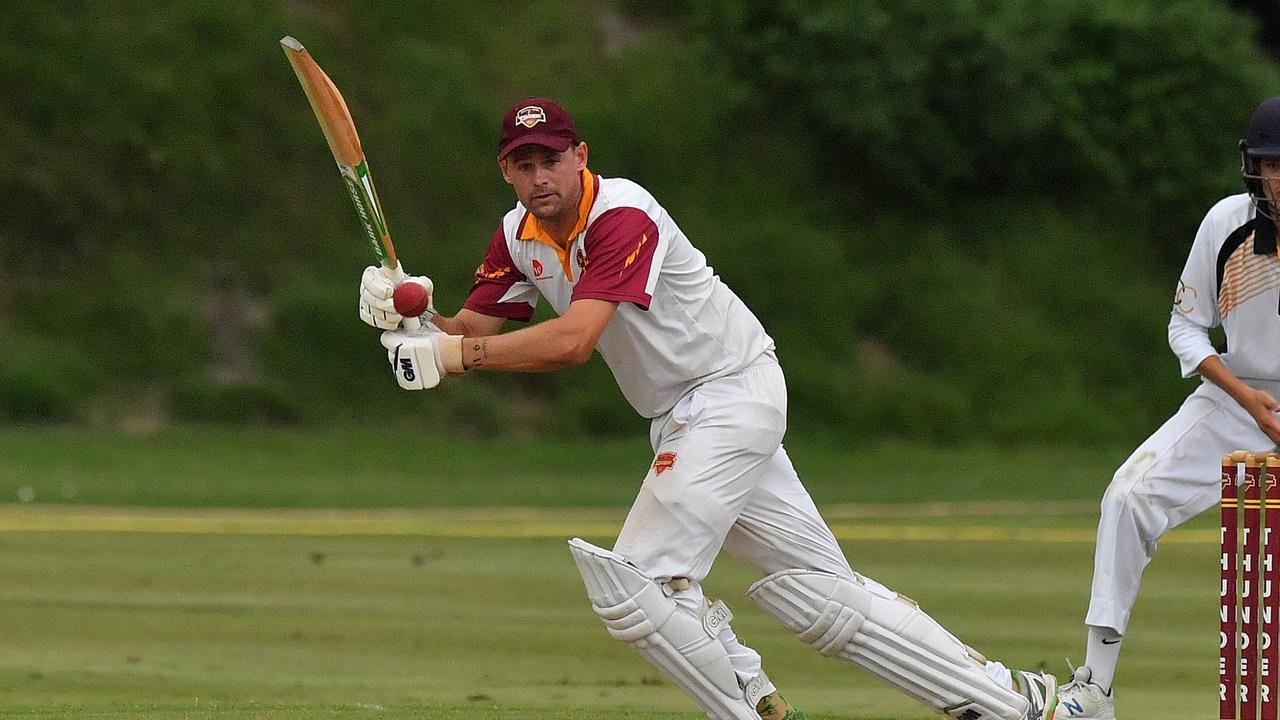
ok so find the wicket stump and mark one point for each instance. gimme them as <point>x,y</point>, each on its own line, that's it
<point>1249,610</point>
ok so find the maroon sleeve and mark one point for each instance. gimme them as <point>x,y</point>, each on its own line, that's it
<point>620,246</point>
<point>494,278</point>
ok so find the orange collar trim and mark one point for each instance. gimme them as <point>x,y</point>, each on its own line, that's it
<point>531,229</point>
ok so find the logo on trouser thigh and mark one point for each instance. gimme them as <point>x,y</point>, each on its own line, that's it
<point>664,462</point>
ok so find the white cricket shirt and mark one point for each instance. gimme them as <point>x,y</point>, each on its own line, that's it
<point>677,325</point>
<point>1232,279</point>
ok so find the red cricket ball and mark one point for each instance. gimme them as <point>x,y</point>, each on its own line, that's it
<point>411,299</point>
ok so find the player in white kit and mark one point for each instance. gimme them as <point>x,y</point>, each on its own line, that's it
<point>1231,279</point>
<point>689,355</point>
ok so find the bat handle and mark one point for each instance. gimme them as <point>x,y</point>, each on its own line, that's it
<point>411,323</point>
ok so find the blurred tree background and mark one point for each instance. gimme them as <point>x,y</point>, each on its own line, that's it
<point>960,219</point>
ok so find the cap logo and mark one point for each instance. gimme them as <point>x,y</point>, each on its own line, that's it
<point>530,115</point>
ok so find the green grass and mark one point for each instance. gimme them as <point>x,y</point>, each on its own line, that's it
<point>358,711</point>
<point>212,467</point>
<point>233,623</point>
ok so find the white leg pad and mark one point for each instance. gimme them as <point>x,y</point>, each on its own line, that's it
<point>865,623</point>
<point>684,647</point>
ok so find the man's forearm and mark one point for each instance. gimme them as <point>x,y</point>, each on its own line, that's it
<point>1215,371</point>
<point>1260,404</point>
<point>453,325</point>
<point>537,348</point>
<point>557,343</point>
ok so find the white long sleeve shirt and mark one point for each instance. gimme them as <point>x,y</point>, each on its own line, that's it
<point>1233,282</point>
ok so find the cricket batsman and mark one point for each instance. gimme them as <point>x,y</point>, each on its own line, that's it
<point>690,356</point>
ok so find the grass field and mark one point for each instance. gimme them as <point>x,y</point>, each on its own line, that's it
<point>218,574</point>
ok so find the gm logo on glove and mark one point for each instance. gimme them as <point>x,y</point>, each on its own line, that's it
<point>413,358</point>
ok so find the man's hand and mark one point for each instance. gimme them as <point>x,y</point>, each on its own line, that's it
<point>419,359</point>
<point>1260,405</point>
<point>377,286</point>
<point>1263,408</point>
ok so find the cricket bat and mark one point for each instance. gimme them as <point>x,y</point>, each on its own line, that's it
<point>340,131</point>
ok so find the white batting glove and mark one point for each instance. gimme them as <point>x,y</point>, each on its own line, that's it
<point>377,287</point>
<point>420,358</point>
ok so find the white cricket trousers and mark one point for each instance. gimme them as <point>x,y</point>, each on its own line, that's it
<point>1172,477</point>
<point>722,479</point>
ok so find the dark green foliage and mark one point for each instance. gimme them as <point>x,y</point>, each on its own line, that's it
<point>254,403</point>
<point>960,219</point>
<point>1268,14</point>
<point>944,102</point>
<point>43,380</point>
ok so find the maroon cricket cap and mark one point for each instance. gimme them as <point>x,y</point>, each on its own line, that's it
<point>537,121</point>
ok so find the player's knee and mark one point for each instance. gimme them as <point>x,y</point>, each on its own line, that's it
<point>691,506</point>
<point>839,614</point>
<point>1128,479</point>
<point>1114,497</point>
<point>685,593</point>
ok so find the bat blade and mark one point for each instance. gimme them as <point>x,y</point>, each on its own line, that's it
<point>340,132</point>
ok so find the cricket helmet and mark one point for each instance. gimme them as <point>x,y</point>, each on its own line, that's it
<point>1262,140</point>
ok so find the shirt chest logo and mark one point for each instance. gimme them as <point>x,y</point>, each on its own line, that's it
<point>543,270</point>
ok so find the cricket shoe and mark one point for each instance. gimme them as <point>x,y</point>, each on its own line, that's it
<point>1083,699</point>
<point>1040,690</point>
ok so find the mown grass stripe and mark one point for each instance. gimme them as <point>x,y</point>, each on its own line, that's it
<point>481,523</point>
